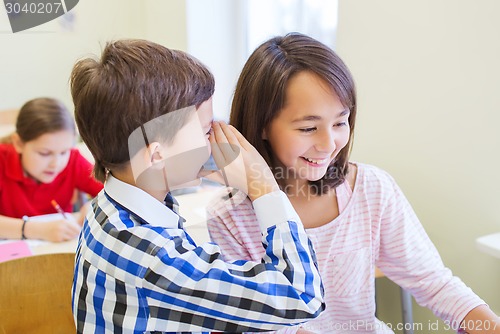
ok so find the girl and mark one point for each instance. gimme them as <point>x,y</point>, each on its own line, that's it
<point>295,102</point>
<point>38,164</point>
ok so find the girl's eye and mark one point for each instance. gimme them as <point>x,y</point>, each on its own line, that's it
<point>307,130</point>
<point>341,124</point>
<point>44,154</point>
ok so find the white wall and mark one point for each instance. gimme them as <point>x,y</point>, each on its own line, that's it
<point>38,62</point>
<point>216,37</point>
<point>223,34</point>
<point>428,78</point>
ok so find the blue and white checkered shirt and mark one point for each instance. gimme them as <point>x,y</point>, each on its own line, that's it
<point>138,271</point>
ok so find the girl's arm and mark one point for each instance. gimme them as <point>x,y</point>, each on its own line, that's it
<point>408,257</point>
<point>53,230</point>
<point>80,216</point>
<point>481,320</point>
<point>10,228</point>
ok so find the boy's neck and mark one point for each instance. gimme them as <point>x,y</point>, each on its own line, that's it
<point>127,176</point>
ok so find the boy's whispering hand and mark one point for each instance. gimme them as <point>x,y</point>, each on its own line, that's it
<point>240,164</point>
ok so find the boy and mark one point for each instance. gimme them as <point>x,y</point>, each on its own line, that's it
<point>136,268</point>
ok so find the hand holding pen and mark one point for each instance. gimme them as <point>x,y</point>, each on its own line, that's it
<point>52,229</point>
<point>58,208</point>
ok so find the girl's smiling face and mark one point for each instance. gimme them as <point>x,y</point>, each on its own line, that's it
<point>310,130</point>
<point>46,156</point>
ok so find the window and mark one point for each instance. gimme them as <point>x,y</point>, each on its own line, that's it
<point>223,33</point>
<point>316,18</point>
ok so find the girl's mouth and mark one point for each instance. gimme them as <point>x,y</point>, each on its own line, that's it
<point>316,162</point>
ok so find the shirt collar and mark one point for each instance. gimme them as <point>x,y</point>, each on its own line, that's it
<point>140,203</point>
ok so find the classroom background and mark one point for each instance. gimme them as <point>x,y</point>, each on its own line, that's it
<point>428,80</point>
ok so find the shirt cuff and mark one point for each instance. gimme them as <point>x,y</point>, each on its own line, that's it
<point>274,208</point>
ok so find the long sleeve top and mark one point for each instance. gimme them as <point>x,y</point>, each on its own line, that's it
<point>137,270</point>
<point>376,228</point>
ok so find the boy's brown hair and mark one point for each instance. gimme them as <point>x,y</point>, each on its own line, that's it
<point>135,81</point>
<point>260,94</point>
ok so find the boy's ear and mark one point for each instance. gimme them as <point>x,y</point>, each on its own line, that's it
<point>154,153</point>
<point>17,142</point>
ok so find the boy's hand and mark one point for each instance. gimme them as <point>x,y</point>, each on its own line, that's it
<point>241,165</point>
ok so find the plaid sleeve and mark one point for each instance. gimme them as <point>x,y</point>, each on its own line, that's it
<point>194,286</point>
<point>133,277</point>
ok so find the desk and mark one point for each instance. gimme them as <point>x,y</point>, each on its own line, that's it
<point>489,244</point>
<point>16,248</point>
<point>192,207</point>
<point>46,247</point>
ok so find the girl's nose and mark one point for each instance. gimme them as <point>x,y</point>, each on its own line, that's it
<point>326,142</point>
<point>55,160</point>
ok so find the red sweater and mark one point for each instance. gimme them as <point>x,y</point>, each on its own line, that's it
<point>21,195</point>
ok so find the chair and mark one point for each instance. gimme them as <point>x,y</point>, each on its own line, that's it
<point>406,305</point>
<point>35,294</point>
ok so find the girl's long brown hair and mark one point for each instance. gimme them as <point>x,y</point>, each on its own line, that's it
<point>260,93</point>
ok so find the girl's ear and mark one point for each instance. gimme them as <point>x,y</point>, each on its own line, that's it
<point>17,142</point>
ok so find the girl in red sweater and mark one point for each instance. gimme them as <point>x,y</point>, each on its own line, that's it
<point>39,164</point>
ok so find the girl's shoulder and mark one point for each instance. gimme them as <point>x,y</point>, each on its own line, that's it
<point>369,170</point>
<point>7,152</point>
<point>6,147</point>
<point>75,152</point>
<point>77,164</point>
<point>371,175</point>
<point>76,157</point>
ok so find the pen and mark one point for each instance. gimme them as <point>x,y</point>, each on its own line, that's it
<point>58,208</point>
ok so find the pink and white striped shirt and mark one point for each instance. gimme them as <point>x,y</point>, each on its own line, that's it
<point>376,227</point>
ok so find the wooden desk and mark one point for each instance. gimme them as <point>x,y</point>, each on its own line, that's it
<point>192,208</point>
<point>13,249</point>
<point>46,247</point>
